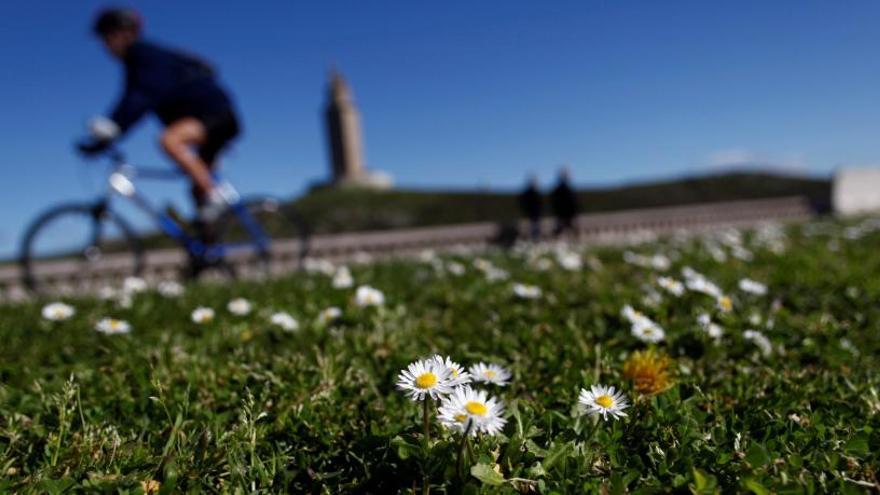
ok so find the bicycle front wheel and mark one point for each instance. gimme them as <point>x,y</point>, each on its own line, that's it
<point>78,247</point>
<point>278,222</point>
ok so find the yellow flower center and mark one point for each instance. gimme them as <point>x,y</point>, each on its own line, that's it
<point>426,380</point>
<point>454,371</point>
<point>725,303</point>
<point>605,401</point>
<point>461,418</point>
<point>490,374</point>
<point>115,324</point>
<point>476,408</point>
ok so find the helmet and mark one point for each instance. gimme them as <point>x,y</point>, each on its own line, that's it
<point>115,19</point>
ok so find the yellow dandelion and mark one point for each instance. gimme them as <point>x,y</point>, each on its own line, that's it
<point>150,486</point>
<point>649,371</point>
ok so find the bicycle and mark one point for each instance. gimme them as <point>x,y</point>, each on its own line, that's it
<point>90,238</point>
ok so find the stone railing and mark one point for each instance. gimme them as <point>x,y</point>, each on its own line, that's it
<point>595,228</point>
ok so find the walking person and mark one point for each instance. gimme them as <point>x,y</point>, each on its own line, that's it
<point>564,203</point>
<point>532,206</point>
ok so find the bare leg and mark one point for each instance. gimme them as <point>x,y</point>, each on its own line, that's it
<point>178,141</point>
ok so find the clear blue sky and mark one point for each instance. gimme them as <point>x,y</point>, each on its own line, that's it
<point>464,94</point>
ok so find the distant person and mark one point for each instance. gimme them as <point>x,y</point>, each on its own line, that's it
<point>181,90</point>
<point>564,203</point>
<point>532,206</point>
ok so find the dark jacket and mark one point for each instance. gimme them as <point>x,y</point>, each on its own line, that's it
<point>564,201</point>
<point>170,84</point>
<point>531,202</point>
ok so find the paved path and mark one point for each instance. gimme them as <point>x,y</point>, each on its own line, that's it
<point>597,228</point>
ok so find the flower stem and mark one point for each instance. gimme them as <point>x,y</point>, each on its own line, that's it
<point>426,445</point>
<point>427,436</point>
<point>461,446</point>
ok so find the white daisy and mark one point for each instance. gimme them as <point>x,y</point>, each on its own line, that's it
<point>342,279</point>
<point>569,260</point>
<point>427,256</point>
<point>716,252</point>
<point>124,300</point>
<point>714,330</point>
<point>647,331</point>
<point>671,285</point>
<point>495,274</point>
<point>328,315</point>
<point>634,258</point>
<point>524,291</point>
<point>458,376</point>
<point>318,265</point>
<point>752,287</point>
<point>58,311</point>
<point>703,285</point>
<point>489,373</point>
<point>631,314</point>
<point>133,285</point>
<point>170,288</point>
<point>239,306</point>
<point>603,400</point>
<point>202,315</point>
<point>284,320</point>
<point>652,298</point>
<point>660,262</point>
<point>368,296</point>
<point>427,377</point>
<point>643,328</point>
<point>455,268</point>
<point>482,264</point>
<point>725,304</point>
<point>741,253</point>
<point>466,409</point>
<point>542,264</point>
<point>704,319</point>
<point>755,319</point>
<point>112,326</point>
<point>688,273</point>
<point>107,293</point>
<point>760,340</point>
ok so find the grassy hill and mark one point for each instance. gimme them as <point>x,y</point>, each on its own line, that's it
<point>333,210</point>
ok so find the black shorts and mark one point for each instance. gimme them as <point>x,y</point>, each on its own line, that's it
<point>221,128</point>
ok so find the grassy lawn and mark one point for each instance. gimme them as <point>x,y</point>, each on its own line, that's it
<point>771,393</point>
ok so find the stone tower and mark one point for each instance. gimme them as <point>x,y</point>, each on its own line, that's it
<point>344,139</point>
<point>343,131</point>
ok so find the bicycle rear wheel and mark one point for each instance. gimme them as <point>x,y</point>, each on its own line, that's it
<point>288,233</point>
<point>78,247</point>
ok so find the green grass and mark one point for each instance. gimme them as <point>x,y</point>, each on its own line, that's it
<point>238,405</point>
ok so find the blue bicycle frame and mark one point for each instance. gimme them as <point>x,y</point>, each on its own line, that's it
<point>121,183</point>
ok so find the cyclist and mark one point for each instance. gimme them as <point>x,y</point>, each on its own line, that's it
<point>181,90</point>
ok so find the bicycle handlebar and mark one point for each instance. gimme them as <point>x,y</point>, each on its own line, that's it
<point>117,157</point>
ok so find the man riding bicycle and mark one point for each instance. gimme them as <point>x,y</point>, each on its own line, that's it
<point>182,91</point>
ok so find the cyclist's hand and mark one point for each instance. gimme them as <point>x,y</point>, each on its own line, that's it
<point>89,147</point>
<point>102,132</point>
